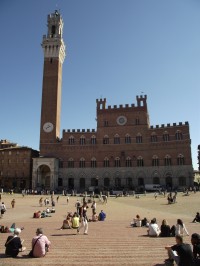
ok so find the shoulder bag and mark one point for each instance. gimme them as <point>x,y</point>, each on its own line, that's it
<point>31,252</point>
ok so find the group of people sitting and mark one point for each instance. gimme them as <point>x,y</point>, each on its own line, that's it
<point>44,213</point>
<point>70,222</point>
<point>138,222</point>
<point>164,230</point>
<point>181,253</point>
<point>7,229</point>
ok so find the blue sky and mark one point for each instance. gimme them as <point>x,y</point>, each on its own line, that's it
<point>116,49</point>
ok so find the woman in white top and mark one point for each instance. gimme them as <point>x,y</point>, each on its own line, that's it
<point>180,229</point>
<point>154,229</point>
<point>137,222</point>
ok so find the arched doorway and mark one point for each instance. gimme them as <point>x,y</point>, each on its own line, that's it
<point>71,183</point>
<point>156,180</point>
<point>168,182</point>
<point>106,183</point>
<point>44,177</point>
<point>82,183</point>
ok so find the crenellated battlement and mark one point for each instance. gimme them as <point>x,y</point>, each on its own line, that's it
<point>121,106</point>
<point>79,131</point>
<point>101,103</point>
<point>141,102</point>
<point>170,125</point>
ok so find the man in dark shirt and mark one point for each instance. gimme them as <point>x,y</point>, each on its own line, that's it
<point>14,244</point>
<point>181,253</point>
<point>195,240</point>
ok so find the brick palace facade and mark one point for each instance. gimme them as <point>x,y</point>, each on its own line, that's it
<point>123,152</point>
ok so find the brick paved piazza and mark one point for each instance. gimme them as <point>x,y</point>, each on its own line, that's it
<point>112,242</point>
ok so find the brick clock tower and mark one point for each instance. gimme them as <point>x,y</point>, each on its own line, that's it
<point>54,55</point>
<point>45,168</point>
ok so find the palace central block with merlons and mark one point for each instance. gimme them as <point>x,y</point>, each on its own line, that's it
<point>123,153</point>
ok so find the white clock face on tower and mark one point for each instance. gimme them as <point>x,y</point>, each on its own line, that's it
<point>121,120</point>
<point>48,127</point>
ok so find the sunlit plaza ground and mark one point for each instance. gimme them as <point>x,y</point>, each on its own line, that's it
<point>112,242</point>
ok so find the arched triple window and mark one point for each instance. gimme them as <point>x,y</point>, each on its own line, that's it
<point>106,139</point>
<point>166,136</point>
<point>82,140</point>
<point>168,160</point>
<point>93,162</point>
<point>154,137</point>
<point>106,162</point>
<point>116,139</point>
<point>70,163</point>
<point>117,162</point>
<point>93,140</point>
<point>137,121</point>
<point>82,163</point>
<point>128,162</point>
<point>180,159</point>
<point>139,138</point>
<point>140,161</point>
<point>127,139</point>
<point>155,161</point>
<point>178,135</point>
<point>71,140</point>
